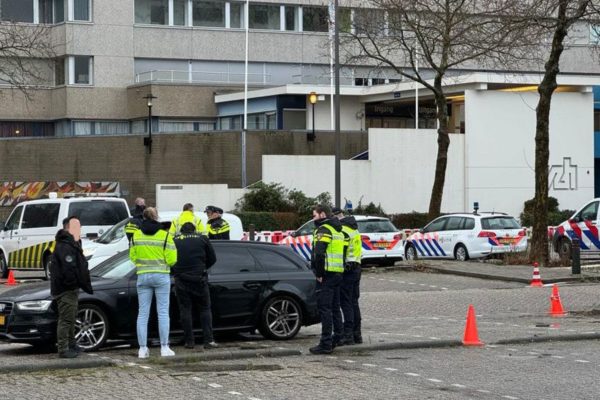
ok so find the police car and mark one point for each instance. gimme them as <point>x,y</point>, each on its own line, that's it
<point>464,236</point>
<point>381,240</point>
<point>583,225</point>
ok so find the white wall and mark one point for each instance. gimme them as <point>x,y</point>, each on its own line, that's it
<point>172,197</point>
<point>349,107</point>
<point>500,151</point>
<point>311,174</point>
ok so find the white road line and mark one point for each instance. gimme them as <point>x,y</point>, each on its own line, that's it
<point>195,378</point>
<point>369,365</point>
<point>235,393</point>
<point>432,286</point>
<point>390,369</point>
<point>451,320</point>
<point>253,398</point>
<point>215,385</point>
<point>381,279</point>
<point>384,333</point>
<point>483,391</point>
<point>130,364</point>
<point>533,353</point>
<point>434,318</point>
<point>422,284</point>
<point>401,282</point>
<point>145,367</point>
<point>511,349</point>
<point>444,288</point>
<point>411,283</point>
<point>349,361</point>
<point>582,361</point>
<point>411,374</point>
<point>117,360</point>
<point>435,338</point>
<point>558,357</point>
<point>92,355</point>
<point>434,380</point>
<point>510,397</point>
<point>458,385</point>
<point>492,346</point>
<point>516,326</point>
<point>417,336</point>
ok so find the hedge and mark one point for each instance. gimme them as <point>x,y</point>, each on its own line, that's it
<point>270,221</point>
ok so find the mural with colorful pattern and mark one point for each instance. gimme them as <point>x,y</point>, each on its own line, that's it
<point>12,193</point>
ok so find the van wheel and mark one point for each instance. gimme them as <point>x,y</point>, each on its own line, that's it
<point>46,264</point>
<point>3,267</point>
<point>564,249</point>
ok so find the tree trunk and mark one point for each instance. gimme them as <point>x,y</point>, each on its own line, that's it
<point>435,203</point>
<point>539,241</point>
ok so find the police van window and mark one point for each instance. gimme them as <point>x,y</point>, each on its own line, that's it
<point>589,213</point>
<point>469,224</point>
<point>436,226</point>
<point>454,223</point>
<point>98,212</point>
<point>232,260</point>
<point>43,215</point>
<point>14,219</point>
<point>376,226</point>
<point>273,260</point>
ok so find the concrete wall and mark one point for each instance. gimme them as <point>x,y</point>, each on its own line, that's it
<point>349,107</point>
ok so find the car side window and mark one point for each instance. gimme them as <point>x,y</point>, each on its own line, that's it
<point>454,223</point>
<point>469,224</point>
<point>436,226</point>
<point>43,215</point>
<point>273,261</point>
<point>589,213</point>
<point>233,260</point>
<point>306,229</point>
<point>14,219</point>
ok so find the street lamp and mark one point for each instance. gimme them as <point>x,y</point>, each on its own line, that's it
<point>148,140</point>
<point>312,99</point>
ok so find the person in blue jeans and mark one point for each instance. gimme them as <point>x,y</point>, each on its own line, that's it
<point>153,252</point>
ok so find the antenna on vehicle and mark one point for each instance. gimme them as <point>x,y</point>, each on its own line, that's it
<point>475,207</point>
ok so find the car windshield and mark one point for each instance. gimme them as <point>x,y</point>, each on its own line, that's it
<point>500,223</point>
<point>115,267</point>
<point>98,212</point>
<point>376,226</point>
<point>115,233</point>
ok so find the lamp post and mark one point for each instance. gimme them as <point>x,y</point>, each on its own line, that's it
<point>148,140</point>
<point>312,99</point>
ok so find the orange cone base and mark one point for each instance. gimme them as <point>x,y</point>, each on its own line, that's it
<point>11,279</point>
<point>536,284</point>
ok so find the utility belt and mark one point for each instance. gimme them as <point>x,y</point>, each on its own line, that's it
<point>351,266</point>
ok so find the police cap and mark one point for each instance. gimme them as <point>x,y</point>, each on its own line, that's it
<point>336,210</point>
<point>213,209</point>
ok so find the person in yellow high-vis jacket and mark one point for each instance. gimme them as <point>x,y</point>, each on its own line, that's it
<point>328,265</point>
<point>187,215</point>
<point>153,252</point>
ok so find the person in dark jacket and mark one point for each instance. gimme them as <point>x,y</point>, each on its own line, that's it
<point>68,273</point>
<point>135,222</point>
<point>216,226</point>
<point>195,255</point>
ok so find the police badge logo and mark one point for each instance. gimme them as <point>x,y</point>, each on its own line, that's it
<point>319,236</point>
<point>69,259</point>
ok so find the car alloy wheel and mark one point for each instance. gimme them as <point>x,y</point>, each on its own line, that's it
<point>91,327</point>
<point>46,264</point>
<point>564,249</point>
<point>281,318</point>
<point>410,253</point>
<point>461,253</point>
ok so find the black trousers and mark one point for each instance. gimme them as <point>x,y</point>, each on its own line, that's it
<point>67,303</point>
<point>189,296</point>
<point>328,294</point>
<point>349,295</point>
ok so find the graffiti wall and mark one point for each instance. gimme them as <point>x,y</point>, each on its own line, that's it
<point>12,193</point>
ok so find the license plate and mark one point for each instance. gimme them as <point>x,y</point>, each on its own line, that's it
<point>382,245</point>
<point>2,319</point>
<point>506,241</point>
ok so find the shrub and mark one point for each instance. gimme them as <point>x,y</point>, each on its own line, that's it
<point>269,221</point>
<point>409,220</point>
<point>555,216</point>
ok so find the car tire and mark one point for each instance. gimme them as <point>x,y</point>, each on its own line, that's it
<point>46,265</point>
<point>281,318</point>
<point>461,253</point>
<point>410,253</point>
<point>91,327</point>
<point>3,267</point>
<point>564,248</point>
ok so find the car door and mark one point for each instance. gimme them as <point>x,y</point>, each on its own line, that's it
<point>427,243</point>
<point>584,227</point>
<point>10,236</point>
<point>237,285</point>
<point>38,227</point>
<point>449,237</point>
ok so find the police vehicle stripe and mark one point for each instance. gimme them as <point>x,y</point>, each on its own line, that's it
<point>415,243</point>
<point>437,244</point>
<point>40,252</point>
<point>422,243</point>
<point>28,254</point>
<point>432,247</point>
<point>592,238</point>
<point>573,235</point>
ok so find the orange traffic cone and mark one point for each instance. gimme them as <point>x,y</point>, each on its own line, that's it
<point>556,307</point>
<point>11,279</point>
<point>536,281</point>
<point>471,338</point>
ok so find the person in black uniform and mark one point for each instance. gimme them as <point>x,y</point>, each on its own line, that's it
<point>68,273</point>
<point>216,227</point>
<point>195,255</point>
<point>135,222</point>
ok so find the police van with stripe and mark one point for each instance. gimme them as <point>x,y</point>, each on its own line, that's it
<point>27,236</point>
<point>583,226</point>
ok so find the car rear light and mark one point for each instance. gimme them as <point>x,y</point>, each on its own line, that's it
<point>522,233</point>
<point>364,237</point>
<point>488,234</point>
<point>398,237</point>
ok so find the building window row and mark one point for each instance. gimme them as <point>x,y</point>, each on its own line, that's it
<point>74,70</point>
<point>45,11</point>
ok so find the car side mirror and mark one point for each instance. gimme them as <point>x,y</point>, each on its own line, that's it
<point>294,234</point>
<point>422,230</point>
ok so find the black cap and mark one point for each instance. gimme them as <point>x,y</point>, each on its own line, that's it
<point>213,209</point>
<point>336,210</point>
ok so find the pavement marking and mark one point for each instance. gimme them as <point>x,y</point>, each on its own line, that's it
<point>435,318</point>
<point>558,357</point>
<point>369,365</point>
<point>436,338</point>
<point>401,282</point>
<point>235,393</point>
<point>582,361</point>
<point>384,333</point>
<point>130,364</point>
<point>417,336</point>
<point>510,397</point>
<point>516,326</point>
<point>411,374</point>
<point>215,385</point>
<point>458,385</point>
<point>195,378</point>
<point>444,288</point>
<point>511,349</point>
<point>145,367</point>
<point>434,380</point>
<point>432,286</point>
<point>381,279</point>
<point>533,353</point>
<point>451,320</point>
<point>422,284</point>
<point>390,369</point>
<point>253,398</point>
<point>349,361</point>
<point>483,391</point>
<point>492,346</point>
<point>411,283</point>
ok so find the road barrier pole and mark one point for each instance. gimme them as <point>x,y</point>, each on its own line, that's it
<point>251,232</point>
<point>575,257</point>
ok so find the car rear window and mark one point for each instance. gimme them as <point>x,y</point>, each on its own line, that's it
<point>500,223</point>
<point>99,212</point>
<point>376,226</point>
<point>272,260</point>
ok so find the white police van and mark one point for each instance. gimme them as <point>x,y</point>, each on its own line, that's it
<point>464,236</point>
<point>27,236</point>
<point>582,225</point>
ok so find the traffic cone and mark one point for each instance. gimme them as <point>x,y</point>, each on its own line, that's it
<point>471,338</point>
<point>556,307</point>
<point>11,279</point>
<point>536,281</point>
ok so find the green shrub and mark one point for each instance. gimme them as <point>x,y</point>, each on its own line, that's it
<point>555,216</point>
<point>409,220</point>
<point>268,221</point>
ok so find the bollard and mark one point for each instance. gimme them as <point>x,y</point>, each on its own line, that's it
<point>575,257</point>
<point>251,232</point>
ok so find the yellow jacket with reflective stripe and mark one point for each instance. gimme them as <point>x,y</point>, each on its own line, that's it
<point>336,242</point>
<point>153,253</point>
<point>354,253</point>
<point>185,217</point>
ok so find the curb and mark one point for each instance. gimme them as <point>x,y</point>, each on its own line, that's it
<point>59,364</point>
<point>499,277</point>
<point>227,355</point>
<point>555,338</point>
<point>398,345</point>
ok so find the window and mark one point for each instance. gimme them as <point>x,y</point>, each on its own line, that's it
<point>589,213</point>
<point>209,13</point>
<point>180,11</point>
<point>16,10</point>
<point>43,215</point>
<point>264,16</point>
<point>236,15</point>
<point>273,260</point>
<point>271,120</point>
<point>315,19</point>
<point>454,223</point>
<point>306,229</point>
<point>291,18</point>
<point>98,212</point>
<point>345,16</point>
<point>436,226</point>
<point>368,21</point>
<point>81,68</point>
<point>81,10</point>
<point>14,219</point>
<point>115,233</point>
<point>59,71</point>
<point>469,223</point>
<point>82,128</point>
<point>232,260</point>
<point>152,12</point>
<point>501,223</point>
<point>59,11</point>
<point>114,269</point>
<point>111,127</point>
<point>231,123</point>
<point>376,226</point>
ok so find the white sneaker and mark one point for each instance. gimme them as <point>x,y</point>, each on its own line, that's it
<point>165,351</point>
<point>143,352</point>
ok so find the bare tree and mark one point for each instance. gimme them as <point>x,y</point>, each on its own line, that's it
<point>558,17</point>
<point>431,37</point>
<point>26,55</point>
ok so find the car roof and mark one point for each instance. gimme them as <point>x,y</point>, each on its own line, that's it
<point>480,215</point>
<point>371,217</point>
<point>71,200</point>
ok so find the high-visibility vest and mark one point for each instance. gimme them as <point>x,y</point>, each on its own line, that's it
<point>334,260</point>
<point>354,253</point>
<point>185,217</point>
<point>215,231</point>
<point>153,253</point>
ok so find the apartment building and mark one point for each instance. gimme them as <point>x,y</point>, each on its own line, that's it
<point>110,54</point>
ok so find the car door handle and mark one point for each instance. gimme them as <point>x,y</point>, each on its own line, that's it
<point>252,286</point>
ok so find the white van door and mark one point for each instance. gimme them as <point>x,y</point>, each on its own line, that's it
<point>583,226</point>
<point>9,236</point>
<point>38,229</point>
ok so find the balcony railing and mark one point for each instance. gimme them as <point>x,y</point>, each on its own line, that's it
<point>172,76</point>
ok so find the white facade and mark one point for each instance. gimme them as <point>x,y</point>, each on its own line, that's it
<point>172,197</point>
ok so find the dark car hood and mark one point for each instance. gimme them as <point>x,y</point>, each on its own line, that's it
<point>41,290</point>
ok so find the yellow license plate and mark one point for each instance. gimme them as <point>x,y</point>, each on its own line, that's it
<point>383,245</point>
<point>506,241</point>
<point>2,319</point>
